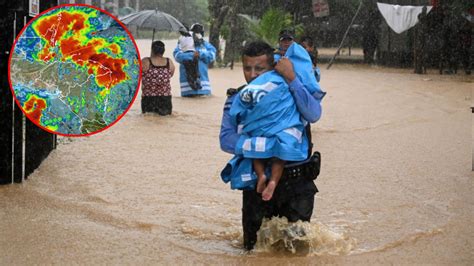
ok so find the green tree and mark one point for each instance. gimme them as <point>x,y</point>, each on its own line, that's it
<point>272,22</point>
<point>218,10</point>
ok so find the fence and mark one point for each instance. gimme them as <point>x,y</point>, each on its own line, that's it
<point>23,146</point>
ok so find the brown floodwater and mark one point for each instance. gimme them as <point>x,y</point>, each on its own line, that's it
<point>395,187</point>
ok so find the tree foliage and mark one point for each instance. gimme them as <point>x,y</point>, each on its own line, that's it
<point>273,15</point>
<point>270,25</point>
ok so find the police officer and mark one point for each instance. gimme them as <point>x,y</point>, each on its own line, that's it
<point>294,196</point>
<point>206,54</point>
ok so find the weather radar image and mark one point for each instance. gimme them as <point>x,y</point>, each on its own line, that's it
<point>74,70</point>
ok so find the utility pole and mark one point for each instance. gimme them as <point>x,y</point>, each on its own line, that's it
<point>345,35</point>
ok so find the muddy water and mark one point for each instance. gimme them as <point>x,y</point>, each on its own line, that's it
<point>395,187</point>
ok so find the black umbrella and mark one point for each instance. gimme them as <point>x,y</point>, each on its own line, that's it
<point>153,19</point>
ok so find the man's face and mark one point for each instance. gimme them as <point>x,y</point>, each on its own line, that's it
<point>285,44</point>
<point>255,66</point>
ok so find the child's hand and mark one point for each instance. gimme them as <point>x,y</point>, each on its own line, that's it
<point>196,54</point>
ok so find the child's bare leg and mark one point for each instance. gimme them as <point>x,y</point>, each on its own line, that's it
<point>259,167</point>
<point>277,172</point>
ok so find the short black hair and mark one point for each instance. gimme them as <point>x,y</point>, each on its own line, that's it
<point>286,34</point>
<point>308,40</point>
<point>157,48</point>
<point>258,48</point>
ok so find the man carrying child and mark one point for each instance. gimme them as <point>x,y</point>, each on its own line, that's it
<point>292,192</point>
<point>194,55</point>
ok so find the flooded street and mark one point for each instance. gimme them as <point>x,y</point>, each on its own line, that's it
<point>395,186</point>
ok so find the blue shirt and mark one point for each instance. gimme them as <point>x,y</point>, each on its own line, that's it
<point>308,105</point>
<point>207,54</point>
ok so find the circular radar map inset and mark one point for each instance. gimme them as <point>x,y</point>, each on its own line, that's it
<point>74,70</point>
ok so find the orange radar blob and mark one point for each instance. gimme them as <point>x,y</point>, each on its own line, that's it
<point>108,71</point>
<point>54,27</point>
<point>114,48</point>
<point>34,108</point>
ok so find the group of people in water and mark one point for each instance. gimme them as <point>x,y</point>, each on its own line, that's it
<point>265,123</point>
<point>193,54</point>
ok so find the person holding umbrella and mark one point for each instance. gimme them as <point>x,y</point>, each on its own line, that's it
<point>205,53</point>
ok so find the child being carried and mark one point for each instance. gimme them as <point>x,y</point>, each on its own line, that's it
<point>186,44</point>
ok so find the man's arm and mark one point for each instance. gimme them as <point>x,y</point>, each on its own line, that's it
<point>181,56</point>
<point>228,135</point>
<point>308,105</point>
<point>208,54</point>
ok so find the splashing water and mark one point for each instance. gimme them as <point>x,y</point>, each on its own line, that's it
<point>302,238</point>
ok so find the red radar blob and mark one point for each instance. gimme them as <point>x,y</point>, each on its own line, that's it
<point>34,108</point>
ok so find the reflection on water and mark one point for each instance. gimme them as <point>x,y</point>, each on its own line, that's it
<point>301,238</point>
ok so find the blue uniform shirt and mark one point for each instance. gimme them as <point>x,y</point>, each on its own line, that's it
<point>308,105</point>
<point>207,54</point>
